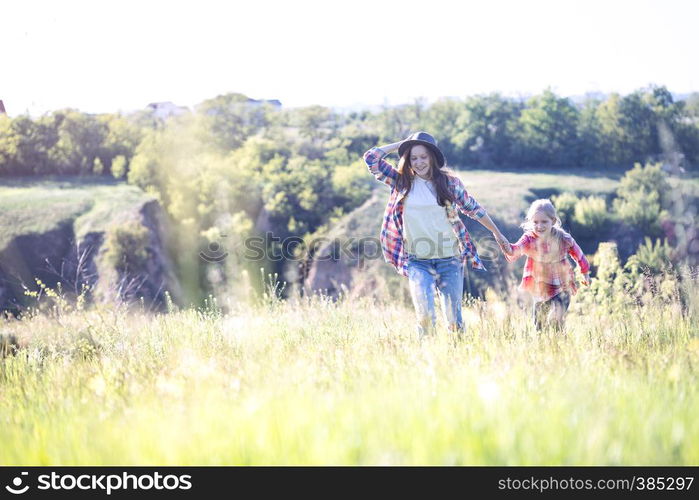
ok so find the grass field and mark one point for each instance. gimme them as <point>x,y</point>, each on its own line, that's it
<point>320,382</point>
<point>37,206</point>
<point>506,195</point>
<point>317,382</point>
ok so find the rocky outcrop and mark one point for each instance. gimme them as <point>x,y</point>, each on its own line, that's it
<point>77,260</point>
<point>348,258</point>
<point>153,280</point>
<point>30,257</point>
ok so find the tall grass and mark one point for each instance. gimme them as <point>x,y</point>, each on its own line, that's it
<point>311,381</point>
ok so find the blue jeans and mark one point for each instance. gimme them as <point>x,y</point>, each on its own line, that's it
<point>447,277</point>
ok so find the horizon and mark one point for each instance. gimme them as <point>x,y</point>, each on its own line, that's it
<point>119,57</point>
<point>358,107</point>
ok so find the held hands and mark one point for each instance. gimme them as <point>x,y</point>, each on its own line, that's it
<point>503,242</point>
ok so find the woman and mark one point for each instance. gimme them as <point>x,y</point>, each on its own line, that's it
<point>422,235</point>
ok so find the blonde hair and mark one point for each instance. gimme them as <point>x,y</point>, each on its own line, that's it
<point>544,206</point>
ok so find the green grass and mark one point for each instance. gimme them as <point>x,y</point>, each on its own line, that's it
<point>317,382</point>
<point>38,206</point>
<point>506,195</point>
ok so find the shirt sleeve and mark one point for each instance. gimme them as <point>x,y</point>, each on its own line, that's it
<point>517,249</point>
<point>466,203</point>
<point>380,168</point>
<point>576,252</point>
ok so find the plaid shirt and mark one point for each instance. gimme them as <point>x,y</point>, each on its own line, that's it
<point>392,242</point>
<point>547,271</point>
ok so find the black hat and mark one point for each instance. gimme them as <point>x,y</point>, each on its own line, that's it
<point>426,140</point>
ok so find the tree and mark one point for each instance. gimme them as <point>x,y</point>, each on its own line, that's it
<point>316,126</point>
<point>442,120</point>
<point>9,141</point>
<point>146,166</point>
<point>677,131</point>
<point>27,145</point>
<point>484,131</point>
<point>642,198</point>
<point>692,105</point>
<point>548,127</point>
<point>80,141</point>
<point>121,140</point>
<point>119,167</point>
<point>639,123</point>
<point>590,137</point>
<point>229,119</point>
<point>398,122</point>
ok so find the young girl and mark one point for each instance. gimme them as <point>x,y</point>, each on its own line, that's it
<point>422,235</point>
<point>548,276</point>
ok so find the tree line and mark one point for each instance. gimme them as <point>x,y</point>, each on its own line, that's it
<point>545,130</point>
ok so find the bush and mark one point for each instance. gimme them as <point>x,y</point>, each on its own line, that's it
<point>147,165</point>
<point>591,217</point>
<point>651,272</point>
<point>610,285</point>
<point>650,257</point>
<point>647,179</point>
<point>565,207</point>
<point>127,247</point>
<point>647,277</point>
<point>351,186</point>
<point>643,196</point>
<point>641,209</point>
<point>119,167</point>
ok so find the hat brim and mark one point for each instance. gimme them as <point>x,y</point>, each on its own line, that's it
<point>405,145</point>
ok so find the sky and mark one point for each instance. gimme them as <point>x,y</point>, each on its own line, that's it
<point>121,55</point>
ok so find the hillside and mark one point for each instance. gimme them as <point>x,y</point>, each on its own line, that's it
<point>506,195</point>
<point>59,230</point>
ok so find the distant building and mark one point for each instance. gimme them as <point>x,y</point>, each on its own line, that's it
<point>259,102</point>
<point>2,108</point>
<point>234,102</point>
<point>166,109</point>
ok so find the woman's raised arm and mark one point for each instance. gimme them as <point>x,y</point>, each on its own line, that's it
<point>390,148</point>
<point>380,168</point>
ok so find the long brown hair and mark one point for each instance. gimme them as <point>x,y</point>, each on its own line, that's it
<point>439,178</point>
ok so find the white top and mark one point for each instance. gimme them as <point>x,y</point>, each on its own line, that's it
<point>428,232</point>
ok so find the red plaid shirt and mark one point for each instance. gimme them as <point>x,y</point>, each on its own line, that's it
<point>392,243</point>
<point>547,271</point>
